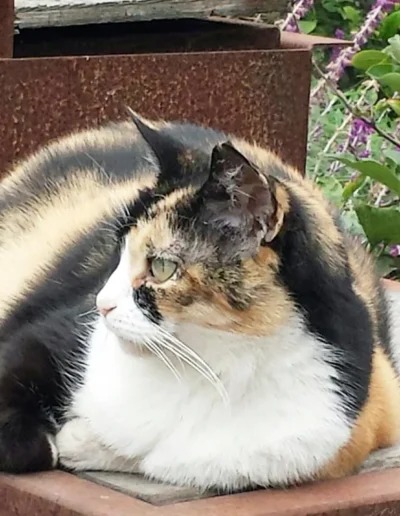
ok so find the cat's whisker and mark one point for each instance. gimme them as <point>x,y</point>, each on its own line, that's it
<point>152,346</point>
<point>182,351</point>
<point>89,312</point>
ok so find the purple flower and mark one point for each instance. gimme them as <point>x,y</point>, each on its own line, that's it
<point>365,153</point>
<point>395,251</point>
<point>358,138</point>
<point>386,5</point>
<point>339,33</point>
<point>373,19</point>
<point>300,9</point>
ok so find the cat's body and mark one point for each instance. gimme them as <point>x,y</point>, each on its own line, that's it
<point>298,356</point>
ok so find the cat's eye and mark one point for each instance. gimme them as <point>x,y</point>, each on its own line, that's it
<point>163,269</point>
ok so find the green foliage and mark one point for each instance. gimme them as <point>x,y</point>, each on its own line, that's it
<point>381,225</point>
<point>367,59</point>
<point>376,171</point>
<point>367,191</point>
<point>332,14</point>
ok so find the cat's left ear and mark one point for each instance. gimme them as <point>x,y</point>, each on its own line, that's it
<point>237,195</point>
<point>164,148</point>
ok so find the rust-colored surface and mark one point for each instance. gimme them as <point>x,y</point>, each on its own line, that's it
<point>260,95</point>
<point>6,28</point>
<point>61,494</point>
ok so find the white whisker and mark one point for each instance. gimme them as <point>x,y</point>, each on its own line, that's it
<point>185,353</point>
<point>152,346</point>
<point>89,312</point>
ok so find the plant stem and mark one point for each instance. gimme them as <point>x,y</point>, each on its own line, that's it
<point>349,107</point>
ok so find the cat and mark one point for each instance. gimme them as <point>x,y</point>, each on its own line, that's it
<point>178,302</point>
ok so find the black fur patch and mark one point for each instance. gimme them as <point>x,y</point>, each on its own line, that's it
<point>332,309</point>
<point>32,390</point>
<point>40,335</point>
<point>145,298</point>
<point>135,210</point>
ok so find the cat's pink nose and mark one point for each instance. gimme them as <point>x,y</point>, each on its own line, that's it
<point>106,302</point>
<point>104,305</point>
<point>105,310</point>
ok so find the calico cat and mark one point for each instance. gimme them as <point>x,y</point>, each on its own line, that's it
<point>177,302</point>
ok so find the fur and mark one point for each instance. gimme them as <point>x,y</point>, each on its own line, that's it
<point>268,356</point>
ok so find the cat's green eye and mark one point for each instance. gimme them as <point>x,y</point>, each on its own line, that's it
<point>163,269</point>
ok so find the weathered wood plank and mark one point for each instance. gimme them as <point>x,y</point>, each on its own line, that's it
<point>144,489</point>
<point>50,13</point>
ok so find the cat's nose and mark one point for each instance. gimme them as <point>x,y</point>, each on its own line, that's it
<point>104,305</point>
<point>105,310</point>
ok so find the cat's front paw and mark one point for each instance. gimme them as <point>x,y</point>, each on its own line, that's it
<point>78,448</point>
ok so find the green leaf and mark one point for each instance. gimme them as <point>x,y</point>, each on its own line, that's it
<point>395,47</point>
<point>385,265</point>
<point>375,170</point>
<point>379,70</point>
<point>367,58</point>
<point>352,186</point>
<point>380,106</point>
<point>390,26</point>
<point>351,14</point>
<point>331,188</point>
<point>392,80</point>
<point>307,26</point>
<point>395,105</point>
<point>330,6</point>
<point>379,224</point>
<point>393,155</point>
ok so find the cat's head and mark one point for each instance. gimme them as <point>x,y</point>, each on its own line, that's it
<point>198,256</point>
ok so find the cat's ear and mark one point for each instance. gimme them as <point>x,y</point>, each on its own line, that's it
<point>164,148</point>
<point>237,195</point>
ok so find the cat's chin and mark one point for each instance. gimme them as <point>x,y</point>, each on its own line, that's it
<point>131,345</point>
<point>135,348</point>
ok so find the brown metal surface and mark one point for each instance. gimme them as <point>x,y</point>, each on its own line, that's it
<point>61,494</point>
<point>258,95</point>
<point>6,28</point>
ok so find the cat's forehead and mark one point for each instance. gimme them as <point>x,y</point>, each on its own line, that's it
<point>159,229</point>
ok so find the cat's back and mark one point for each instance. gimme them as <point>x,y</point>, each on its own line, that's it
<point>58,208</point>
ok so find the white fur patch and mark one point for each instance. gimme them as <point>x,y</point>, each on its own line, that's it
<point>53,450</point>
<point>80,449</point>
<point>282,423</point>
<point>393,297</point>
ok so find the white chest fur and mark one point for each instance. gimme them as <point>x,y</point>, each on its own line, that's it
<point>282,422</point>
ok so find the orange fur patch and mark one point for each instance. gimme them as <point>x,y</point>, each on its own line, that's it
<point>378,425</point>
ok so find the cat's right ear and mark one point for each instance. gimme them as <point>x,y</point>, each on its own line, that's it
<point>238,196</point>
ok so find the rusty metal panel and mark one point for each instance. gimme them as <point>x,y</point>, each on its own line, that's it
<point>261,95</point>
<point>6,28</point>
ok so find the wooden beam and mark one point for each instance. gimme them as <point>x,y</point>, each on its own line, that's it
<point>52,13</point>
<point>6,28</point>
